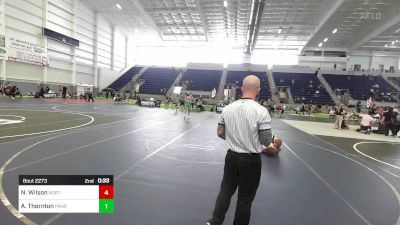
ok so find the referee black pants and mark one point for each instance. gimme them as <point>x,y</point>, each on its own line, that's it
<point>242,171</point>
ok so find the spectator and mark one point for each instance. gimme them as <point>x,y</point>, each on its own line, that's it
<point>13,92</point>
<point>7,89</point>
<point>303,108</point>
<point>332,113</point>
<point>90,96</point>
<point>366,123</point>
<point>297,109</point>
<point>339,117</point>
<point>309,109</point>
<point>396,121</point>
<point>387,121</point>
<point>64,92</point>
<point>358,107</point>
<point>17,92</point>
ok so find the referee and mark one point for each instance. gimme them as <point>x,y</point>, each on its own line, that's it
<point>245,125</point>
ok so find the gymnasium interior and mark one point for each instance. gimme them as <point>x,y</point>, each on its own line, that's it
<point>95,126</point>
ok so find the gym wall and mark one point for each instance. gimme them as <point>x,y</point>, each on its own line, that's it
<point>101,45</point>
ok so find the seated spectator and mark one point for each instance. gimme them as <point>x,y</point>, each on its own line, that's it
<point>18,93</point>
<point>7,89</point>
<point>366,123</point>
<point>117,98</point>
<point>13,92</point>
<point>297,110</point>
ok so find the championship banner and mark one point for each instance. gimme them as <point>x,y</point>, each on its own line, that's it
<point>3,51</point>
<point>25,52</point>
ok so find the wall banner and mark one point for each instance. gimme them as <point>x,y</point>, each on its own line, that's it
<point>25,52</point>
<point>3,51</point>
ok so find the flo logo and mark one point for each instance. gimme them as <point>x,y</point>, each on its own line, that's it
<point>11,119</point>
<point>370,15</point>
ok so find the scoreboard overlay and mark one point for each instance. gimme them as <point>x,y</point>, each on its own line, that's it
<point>66,194</point>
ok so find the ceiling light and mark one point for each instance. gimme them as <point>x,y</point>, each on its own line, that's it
<point>326,39</point>
<point>386,46</point>
<point>392,42</point>
<point>334,31</point>
<point>320,44</point>
<point>225,3</point>
<point>118,6</point>
<point>279,31</point>
<point>397,40</point>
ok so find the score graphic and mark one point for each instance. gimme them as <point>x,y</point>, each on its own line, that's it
<point>66,194</point>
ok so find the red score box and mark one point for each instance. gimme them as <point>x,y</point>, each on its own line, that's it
<point>106,192</point>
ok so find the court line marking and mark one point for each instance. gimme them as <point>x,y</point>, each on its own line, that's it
<point>144,183</point>
<point>80,147</point>
<point>51,131</point>
<point>328,185</point>
<point>202,147</point>
<point>156,151</point>
<point>391,187</point>
<point>45,123</point>
<point>370,157</point>
<point>334,146</point>
<point>56,107</point>
<point>188,161</point>
<point>79,129</point>
<point>343,154</point>
<point>395,159</point>
<point>21,117</point>
<point>54,218</point>
<point>4,198</point>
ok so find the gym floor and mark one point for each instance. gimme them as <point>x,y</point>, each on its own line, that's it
<point>167,170</point>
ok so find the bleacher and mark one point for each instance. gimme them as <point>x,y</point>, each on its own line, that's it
<point>395,80</point>
<point>157,80</point>
<point>125,78</point>
<point>202,80</point>
<point>236,77</point>
<point>305,85</point>
<point>360,86</point>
